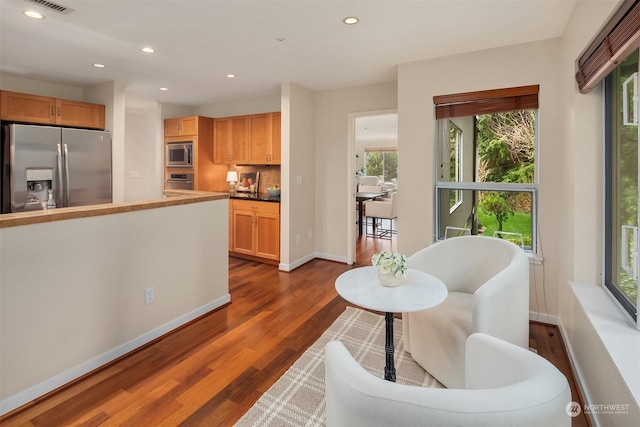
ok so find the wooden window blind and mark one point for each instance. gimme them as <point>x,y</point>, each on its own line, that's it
<point>486,102</point>
<point>619,37</point>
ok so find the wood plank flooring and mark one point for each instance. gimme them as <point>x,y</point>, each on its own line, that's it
<point>211,371</point>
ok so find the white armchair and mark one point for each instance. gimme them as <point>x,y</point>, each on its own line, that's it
<point>488,283</point>
<point>506,386</point>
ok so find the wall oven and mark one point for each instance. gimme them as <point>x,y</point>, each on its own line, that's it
<point>179,154</point>
<point>179,181</point>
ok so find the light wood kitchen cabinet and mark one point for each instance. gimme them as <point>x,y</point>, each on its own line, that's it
<point>256,229</point>
<point>27,108</point>
<point>181,126</point>
<point>276,148</point>
<point>264,138</point>
<point>230,143</point>
<point>259,138</point>
<point>206,175</point>
<point>253,139</point>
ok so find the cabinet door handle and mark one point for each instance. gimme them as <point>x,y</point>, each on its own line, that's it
<point>53,110</point>
<point>58,111</point>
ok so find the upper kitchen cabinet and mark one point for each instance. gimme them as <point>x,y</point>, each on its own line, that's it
<point>80,114</point>
<point>230,141</point>
<point>181,126</point>
<point>27,108</point>
<point>253,139</point>
<point>264,138</point>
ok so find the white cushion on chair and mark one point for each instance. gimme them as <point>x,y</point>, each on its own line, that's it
<point>488,283</point>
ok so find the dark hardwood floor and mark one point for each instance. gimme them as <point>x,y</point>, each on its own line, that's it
<point>211,371</point>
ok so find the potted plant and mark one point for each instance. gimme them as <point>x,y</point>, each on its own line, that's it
<point>390,266</point>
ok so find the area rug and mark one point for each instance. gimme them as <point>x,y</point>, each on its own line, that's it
<point>297,398</point>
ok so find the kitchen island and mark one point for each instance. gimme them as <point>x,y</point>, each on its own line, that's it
<point>80,287</point>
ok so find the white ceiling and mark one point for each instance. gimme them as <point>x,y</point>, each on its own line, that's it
<point>198,42</point>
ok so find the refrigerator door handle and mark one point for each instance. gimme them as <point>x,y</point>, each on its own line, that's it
<point>66,176</point>
<point>59,200</point>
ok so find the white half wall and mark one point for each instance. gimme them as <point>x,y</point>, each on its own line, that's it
<point>72,293</point>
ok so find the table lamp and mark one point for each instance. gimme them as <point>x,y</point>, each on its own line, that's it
<point>232,178</point>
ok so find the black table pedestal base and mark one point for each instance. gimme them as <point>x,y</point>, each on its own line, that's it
<point>389,369</point>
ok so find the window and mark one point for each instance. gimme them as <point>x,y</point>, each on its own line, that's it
<point>621,184</point>
<point>381,162</point>
<point>486,177</point>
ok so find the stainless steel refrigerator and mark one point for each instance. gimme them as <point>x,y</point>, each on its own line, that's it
<point>74,163</point>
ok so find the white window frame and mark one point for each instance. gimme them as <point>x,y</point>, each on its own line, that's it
<point>458,164</point>
<point>489,186</point>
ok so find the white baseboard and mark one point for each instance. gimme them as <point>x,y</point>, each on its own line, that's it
<point>544,318</point>
<point>331,257</point>
<point>297,263</point>
<point>32,393</point>
<point>306,259</point>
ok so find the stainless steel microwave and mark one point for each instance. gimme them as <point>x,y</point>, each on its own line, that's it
<point>179,154</point>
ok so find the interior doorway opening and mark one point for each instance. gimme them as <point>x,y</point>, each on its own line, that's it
<point>373,146</point>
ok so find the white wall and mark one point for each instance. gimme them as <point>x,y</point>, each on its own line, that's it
<point>264,103</point>
<point>14,83</point>
<point>141,165</point>
<point>298,199</point>
<point>332,160</point>
<point>72,292</point>
<point>602,344</point>
<point>419,82</point>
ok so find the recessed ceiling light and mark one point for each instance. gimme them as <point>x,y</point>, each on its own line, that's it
<point>350,20</point>
<point>99,65</point>
<point>33,14</point>
<point>231,76</point>
<point>148,50</point>
<point>164,88</point>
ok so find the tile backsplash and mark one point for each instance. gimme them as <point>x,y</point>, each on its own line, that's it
<point>269,175</point>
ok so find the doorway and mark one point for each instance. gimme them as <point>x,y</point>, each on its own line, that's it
<point>371,135</point>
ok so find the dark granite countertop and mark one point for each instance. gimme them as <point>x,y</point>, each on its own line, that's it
<point>261,197</point>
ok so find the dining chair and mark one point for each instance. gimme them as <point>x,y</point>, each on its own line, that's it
<point>381,209</point>
<point>367,180</point>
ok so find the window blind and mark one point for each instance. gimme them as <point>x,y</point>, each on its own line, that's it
<point>619,37</point>
<point>486,102</point>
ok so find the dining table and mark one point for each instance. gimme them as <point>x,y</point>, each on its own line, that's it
<point>361,198</point>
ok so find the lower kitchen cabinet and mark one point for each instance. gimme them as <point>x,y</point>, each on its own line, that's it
<point>256,229</point>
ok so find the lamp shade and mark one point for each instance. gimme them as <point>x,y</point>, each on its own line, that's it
<point>232,176</point>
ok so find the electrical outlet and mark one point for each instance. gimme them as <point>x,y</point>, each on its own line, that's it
<point>299,179</point>
<point>149,295</point>
<point>310,234</point>
<point>297,239</point>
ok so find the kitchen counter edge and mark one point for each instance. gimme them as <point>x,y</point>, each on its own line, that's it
<point>172,198</point>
